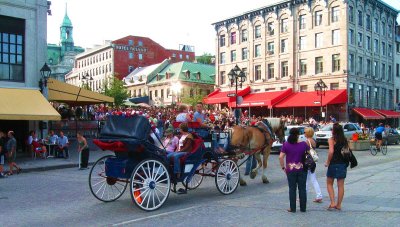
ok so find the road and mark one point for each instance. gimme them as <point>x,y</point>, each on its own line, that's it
<point>62,198</point>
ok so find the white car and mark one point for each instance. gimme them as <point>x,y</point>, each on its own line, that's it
<point>326,132</point>
<point>276,146</point>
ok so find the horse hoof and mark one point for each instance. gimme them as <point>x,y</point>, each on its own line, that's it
<point>253,175</point>
<point>265,181</point>
<point>243,183</point>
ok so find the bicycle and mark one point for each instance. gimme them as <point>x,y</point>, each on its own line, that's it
<point>374,150</point>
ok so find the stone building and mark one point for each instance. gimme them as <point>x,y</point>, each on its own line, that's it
<point>350,45</point>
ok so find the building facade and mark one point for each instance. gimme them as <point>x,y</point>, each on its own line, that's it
<point>293,44</point>
<point>120,57</point>
<point>61,58</point>
<point>397,70</point>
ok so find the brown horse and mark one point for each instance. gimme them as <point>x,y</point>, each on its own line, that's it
<point>254,139</point>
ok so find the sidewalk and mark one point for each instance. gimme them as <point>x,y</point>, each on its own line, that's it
<point>28,164</point>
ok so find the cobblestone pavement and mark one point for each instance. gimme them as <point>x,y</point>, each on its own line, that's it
<point>62,198</point>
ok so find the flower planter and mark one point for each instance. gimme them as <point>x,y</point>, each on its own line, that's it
<point>360,145</point>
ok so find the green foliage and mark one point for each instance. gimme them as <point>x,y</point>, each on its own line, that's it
<point>86,86</point>
<point>205,58</point>
<point>192,101</point>
<point>116,90</point>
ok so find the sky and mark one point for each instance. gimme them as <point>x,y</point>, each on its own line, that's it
<point>167,22</point>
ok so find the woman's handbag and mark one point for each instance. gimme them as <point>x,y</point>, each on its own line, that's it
<point>312,152</point>
<point>308,162</point>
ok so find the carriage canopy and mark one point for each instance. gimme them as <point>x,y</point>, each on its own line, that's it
<point>134,127</point>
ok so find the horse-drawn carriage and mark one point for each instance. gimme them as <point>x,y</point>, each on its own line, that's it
<point>142,165</point>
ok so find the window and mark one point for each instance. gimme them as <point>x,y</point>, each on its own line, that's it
<point>257,32</point>
<point>285,69</point>
<point>271,48</point>
<point>140,43</point>
<point>222,58</point>
<point>334,86</point>
<point>140,56</point>
<point>12,49</point>
<point>302,43</point>
<point>383,71</point>
<point>351,14</point>
<point>257,72</point>
<point>390,30</point>
<point>244,35</point>
<point>318,40</point>
<point>368,43</point>
<point>397,95</point>
<point>336,37</point>
<point>336,62</point>
<point>376,46</point>
<point>368,22</point>
<point>359,65</point>
<point>162,93</point>
<point>390,50</point>
<point>383,28</point>
<point>130,42</point>
<point>383,95</point>
<point>369,66</point>
<point>271,71</point>
<point>222,77</point>
<point>151,94</point>
<point>284,25</point>
<point>360,18</point>
<point>233,55</point>
<point>187,57</point>
<point>284,45</point>
<point>222,40</point>
<point>359,39</point>
<point>191,93</point>
<point>319,65</point>
<point>351,93</point>
<point>376,25</point>
<point>302,21</point>
<point>351,63</point>
<point>390,99</point>
<point>397,70</point>
<point>360,94</point>
<point>376,69</point>
<point>390,76</point>
<point>368,96</point>
<point>351,36</point>
<point>303,67</point>
<point>335,14</point>
<point>383,48</point>
<point>318,18</point>
<point>156,93</point>
<point>233,37</point>
<point>180,56</point>
<point>271,28</point>
<point>244,53</point>
<point>130,55</point>
<point>257,50</point>
<point>303,88</point>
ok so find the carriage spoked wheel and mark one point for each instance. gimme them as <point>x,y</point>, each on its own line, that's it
<point>196,179</point>
<point>150,185</point>
<point>227,177</point>
<point>106,189</point>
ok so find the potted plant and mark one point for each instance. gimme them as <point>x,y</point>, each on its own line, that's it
<point>359,142</point>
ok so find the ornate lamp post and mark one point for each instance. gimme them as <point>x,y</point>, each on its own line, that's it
<point>237,77</point>
<point>86,78</point>
<point>45,72</point>
<point>320,87</point>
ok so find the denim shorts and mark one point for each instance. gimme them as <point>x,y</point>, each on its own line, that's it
<point>337,171</point>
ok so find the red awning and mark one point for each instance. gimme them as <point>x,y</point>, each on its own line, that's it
<point>388,113</point>
<point>268,99</point>
<point>303,99</point>
<point>218,96</point>
<point>368,114</point>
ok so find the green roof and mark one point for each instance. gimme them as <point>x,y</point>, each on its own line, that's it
<point>178,71</point>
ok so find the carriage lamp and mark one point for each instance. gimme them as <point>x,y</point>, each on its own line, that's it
<point>320,87</point>
<point>237,77</point>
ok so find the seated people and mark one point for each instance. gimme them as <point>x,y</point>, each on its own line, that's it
<point>52,139</point>
<point>63,146</point>
<point>36,146</point>
<point>183,115</point>
<point>171,141</point>
<point>199,116</point>
<point>185,145</point>
<point>220,140</point>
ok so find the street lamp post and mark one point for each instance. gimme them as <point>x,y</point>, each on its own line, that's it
<point>237,77</point>
<point>86,78</point>
<point>45,72</point>
<point>320,87</point>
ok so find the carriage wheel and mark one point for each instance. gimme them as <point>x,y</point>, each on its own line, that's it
<point>150,185</point>
<point>227,177</point>
<point>196,179</point>
<point>106,189</point>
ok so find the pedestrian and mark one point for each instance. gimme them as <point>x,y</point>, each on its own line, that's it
<point>3,153</point>
<point>294,152</point>
<point>63,145</point>
<point>337,166</point>
<point>311,176</point>
<point>333,119</point>
<point>11,147</point>
<point>83,149</point>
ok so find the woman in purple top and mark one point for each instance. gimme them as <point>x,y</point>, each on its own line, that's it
<point>297,177</point>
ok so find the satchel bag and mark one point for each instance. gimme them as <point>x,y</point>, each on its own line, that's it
<point>353,160</point>
<point>313,152</point>
<point>308,162</point>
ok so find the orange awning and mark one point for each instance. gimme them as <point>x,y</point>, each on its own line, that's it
<point>218,96</point>
<point>310,99</point>
<point>389,113</point>
<point>268,99</point>
<point>368,114</point>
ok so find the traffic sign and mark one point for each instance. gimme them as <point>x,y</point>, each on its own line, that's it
<point>231,95</point>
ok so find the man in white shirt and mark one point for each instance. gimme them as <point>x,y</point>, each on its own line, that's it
<point>63,145</point>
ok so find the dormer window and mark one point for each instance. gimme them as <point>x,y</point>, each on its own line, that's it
<point>167,76</point>
<point>158,77</point>
<point>198,75</point>
<point>140,78</point>
<point>187,74</point>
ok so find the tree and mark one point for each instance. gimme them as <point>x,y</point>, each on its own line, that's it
<point>116,90</point>
<point>192,101</point>
<point>206,58</point>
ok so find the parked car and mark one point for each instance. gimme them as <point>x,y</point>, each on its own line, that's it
<point>392,136</point>
<point>276,146</point>
<point>326,132</point>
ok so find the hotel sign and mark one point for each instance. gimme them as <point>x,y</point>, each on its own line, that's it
<point>129,48</point>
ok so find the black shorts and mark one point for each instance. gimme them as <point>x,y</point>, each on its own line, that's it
<point>378,136</point>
